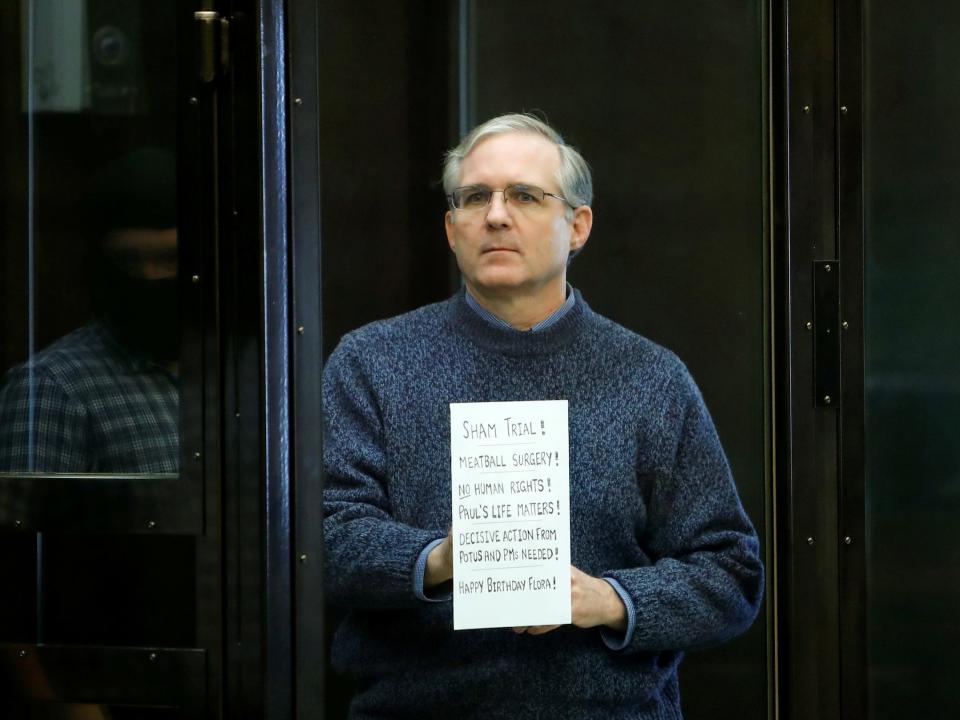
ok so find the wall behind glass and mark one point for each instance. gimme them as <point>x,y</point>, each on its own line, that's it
<point>384,120</point>
<point>666,102</point>
<point>385,115</point>
<point>912,361</point>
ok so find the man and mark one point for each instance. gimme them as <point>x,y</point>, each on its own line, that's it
<point>104,398</point>
<point>665,559</point>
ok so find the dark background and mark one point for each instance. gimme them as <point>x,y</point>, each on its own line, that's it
<point>912,356</point>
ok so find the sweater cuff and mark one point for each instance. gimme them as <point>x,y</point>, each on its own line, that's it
<point>611,638</point>
<point>420,569</point>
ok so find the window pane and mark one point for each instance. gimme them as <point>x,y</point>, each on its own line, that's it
<point>88,238</point>
<point>679,198</point>
<point>383,74</point>
<point>912,344</point>
<point>677,252</point>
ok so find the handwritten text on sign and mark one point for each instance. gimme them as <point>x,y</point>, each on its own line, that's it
<point>511,525</point>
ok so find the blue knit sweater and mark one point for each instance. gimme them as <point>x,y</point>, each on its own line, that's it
<point>653,507</point>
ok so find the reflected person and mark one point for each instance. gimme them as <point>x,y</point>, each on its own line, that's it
<point>104,398</point>
<point>665,559</point>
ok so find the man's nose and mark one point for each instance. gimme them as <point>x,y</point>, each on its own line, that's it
<point>497,212</point>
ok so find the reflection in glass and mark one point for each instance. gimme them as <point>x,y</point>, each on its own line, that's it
<point>88,239</point>
<point>103,398</point>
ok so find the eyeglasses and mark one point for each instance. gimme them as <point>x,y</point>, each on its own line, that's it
<point>477,197</point>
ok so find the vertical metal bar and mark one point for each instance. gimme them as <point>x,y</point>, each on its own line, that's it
<point>852,494</point>
<point>30,24</point>
<point>465,67</point>
<point>774,34</point>
<point>466,107</point>
<point>31,103</point>
<point>808,642</point>
<point>275,304</point>
<point>771,236</point>
<point>307,349</point>
<point>246,119</point>
<point>202,416</point>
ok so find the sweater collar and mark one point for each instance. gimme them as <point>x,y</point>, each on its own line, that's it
<point>509,341</point>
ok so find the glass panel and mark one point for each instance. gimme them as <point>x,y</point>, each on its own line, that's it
<point>88,238</point>
<point>666,103</point>
<point>912,362</point>
<point>376,82</point>
<point>384,69</point>
<point>678,251</point>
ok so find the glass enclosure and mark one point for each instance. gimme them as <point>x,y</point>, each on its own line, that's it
<point>912,360</point>
<point>104,357</point>
<point>667,103</point>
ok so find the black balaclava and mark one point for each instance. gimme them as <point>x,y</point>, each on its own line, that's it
<point>135,191</point>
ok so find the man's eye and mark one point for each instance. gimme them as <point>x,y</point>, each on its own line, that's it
<point>476,197</point>
<point>524,195</point>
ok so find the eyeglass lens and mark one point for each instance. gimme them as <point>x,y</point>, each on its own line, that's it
<point>478,196</point>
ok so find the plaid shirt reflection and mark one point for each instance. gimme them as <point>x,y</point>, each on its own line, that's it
<point>95,409</point>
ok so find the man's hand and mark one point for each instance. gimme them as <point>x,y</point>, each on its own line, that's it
<point>593,602</point>
<point>440,563</point>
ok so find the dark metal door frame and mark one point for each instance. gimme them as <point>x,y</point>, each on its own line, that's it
<point>270,263</point>
<point>817,157</point>
<point>307,350</point>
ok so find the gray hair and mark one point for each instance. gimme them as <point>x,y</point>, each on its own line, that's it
<point>573,177</point>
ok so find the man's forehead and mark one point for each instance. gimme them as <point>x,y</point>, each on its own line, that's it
<point>511,157</point>
<point>143,241</point>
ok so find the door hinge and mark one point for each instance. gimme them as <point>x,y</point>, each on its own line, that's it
<point>826,336</point>
<point>213,45</point>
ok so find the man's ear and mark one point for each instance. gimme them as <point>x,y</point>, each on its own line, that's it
<point>448,221</point>
<point>580,227</point>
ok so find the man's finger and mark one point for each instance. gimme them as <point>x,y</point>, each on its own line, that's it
<point>540,629</point>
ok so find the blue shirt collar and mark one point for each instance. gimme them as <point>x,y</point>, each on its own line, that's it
<point>542,325</point>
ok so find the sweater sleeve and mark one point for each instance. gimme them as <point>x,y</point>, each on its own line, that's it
<point>371,559</point>
<point>705,582</point>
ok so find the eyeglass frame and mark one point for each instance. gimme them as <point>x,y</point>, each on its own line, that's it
<point>502,191</point>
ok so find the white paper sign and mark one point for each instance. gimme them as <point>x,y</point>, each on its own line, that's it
<point>509,463</point>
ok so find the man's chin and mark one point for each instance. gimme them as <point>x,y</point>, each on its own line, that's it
<point>499,283</point>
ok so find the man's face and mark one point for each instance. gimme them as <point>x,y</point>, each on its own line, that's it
<point>143,254</point>
<point>138,291</point>
<point>504,249</point>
